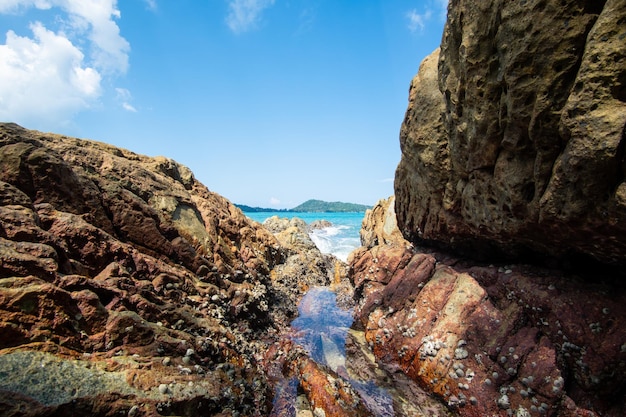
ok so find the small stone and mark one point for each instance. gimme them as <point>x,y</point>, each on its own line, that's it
<point>167,361</point>
<point>164,389</point>
<point>134,410</point>
<point>319,412</point>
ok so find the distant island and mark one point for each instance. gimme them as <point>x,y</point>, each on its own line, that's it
<point>312,206</point>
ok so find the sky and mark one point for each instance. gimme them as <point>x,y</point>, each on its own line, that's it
<point>269,102</point>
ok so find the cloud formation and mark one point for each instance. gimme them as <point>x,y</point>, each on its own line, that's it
<point>124,97</point>
<point>244,15</point>
<point>151,4</point>
<point>418,21</point>
<point>52,75</point>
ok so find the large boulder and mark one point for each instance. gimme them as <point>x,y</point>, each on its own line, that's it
<point>513,140</point>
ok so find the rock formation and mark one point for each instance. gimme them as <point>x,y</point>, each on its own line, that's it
<point>493,340</point>
<point>513,141</point>
<point>127,287</point>
<point>379,225</point>
<point>510,197</point>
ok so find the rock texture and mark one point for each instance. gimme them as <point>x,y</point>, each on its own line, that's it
<point>379,226</point>
<point>127,287</point>
<point>513,141</point>
<point>494,340</point>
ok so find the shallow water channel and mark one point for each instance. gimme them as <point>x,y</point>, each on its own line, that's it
<point>324,330</point>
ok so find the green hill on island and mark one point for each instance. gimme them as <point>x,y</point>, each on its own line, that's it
<point>312,206</point>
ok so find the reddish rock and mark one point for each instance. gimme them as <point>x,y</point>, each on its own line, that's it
<point>126,284</point>
<point>494,340</point>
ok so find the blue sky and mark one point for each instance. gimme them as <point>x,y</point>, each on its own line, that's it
<point>269,102</point>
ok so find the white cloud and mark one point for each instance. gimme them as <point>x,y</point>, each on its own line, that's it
<point>152,4</point>
<point>274,201</point>
<point>244,15</point>
<point>55,74</point>
<point>124,97</point>
<point>44,77</point>
<point>129,107</point>
<point>417,20</point>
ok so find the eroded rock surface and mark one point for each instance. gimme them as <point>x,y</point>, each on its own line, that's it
<point>494,339</point>
<point>127,287</point>
<point>513,140</point>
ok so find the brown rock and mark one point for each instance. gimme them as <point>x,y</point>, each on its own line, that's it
<point>111,262</point>
<point>512,144</point>
<point>379,225</point>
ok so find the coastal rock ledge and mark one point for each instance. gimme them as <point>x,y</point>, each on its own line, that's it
<point>513,140</point>
<point>128,288</point>
<point>491,340</point>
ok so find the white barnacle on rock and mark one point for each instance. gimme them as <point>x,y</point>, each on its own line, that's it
<point>557,385</point>
<point>429,347</point>
<point>503,402</point>
<point>460,353</point>
<point>522,412</point>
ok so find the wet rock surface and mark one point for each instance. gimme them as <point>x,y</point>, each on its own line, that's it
<point>512,143</point>
<point>127,287</point>
<point>494,339</point>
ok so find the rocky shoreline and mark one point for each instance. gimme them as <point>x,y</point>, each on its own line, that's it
<point>128,287</point>
<point>509,339</point>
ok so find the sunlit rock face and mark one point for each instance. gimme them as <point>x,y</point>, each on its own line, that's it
<point>513,140</point>
<point>493,340</point>
<point>128,288</point>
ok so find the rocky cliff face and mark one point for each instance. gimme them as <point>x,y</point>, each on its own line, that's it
<point>513,141</point>
<point>512,149</point>
<point>126,286</point>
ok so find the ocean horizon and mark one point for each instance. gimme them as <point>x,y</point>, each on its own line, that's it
<point>339,239</point>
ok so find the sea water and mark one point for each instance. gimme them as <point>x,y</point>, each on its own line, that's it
<point>339,239</point>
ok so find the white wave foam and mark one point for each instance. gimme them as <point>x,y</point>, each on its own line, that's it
<point>332,240</point>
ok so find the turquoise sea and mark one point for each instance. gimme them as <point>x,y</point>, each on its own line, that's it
<point>339,239</point>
